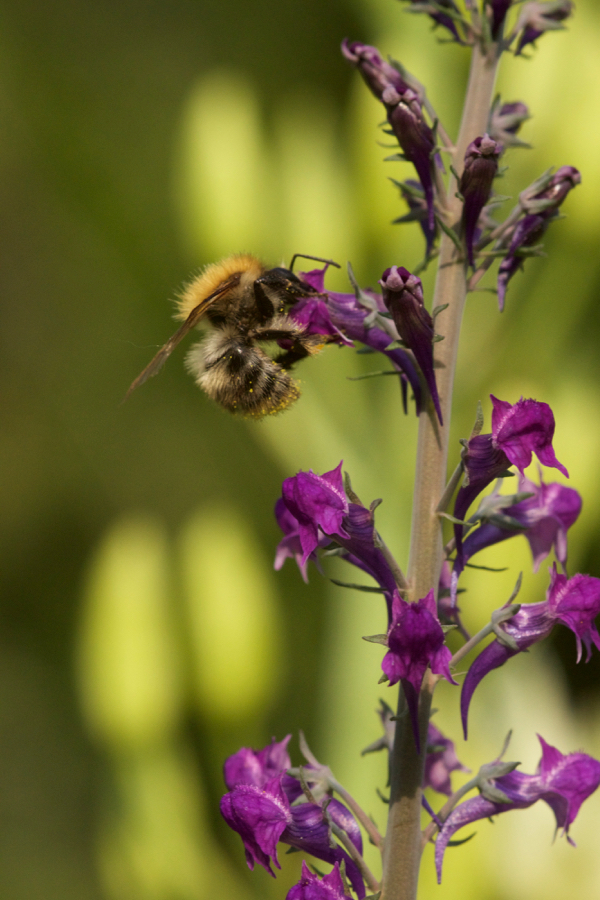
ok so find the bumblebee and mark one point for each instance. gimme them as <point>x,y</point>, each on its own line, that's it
<point>245,305</point>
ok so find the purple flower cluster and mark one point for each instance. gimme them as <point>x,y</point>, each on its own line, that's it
<point>265,805</point>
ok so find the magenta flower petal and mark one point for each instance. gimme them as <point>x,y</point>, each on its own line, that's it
<point>311,887</point>
<point>522,429</point>
<point>317,502</point>
<point>561,781</point>
<point>257,766</point>
<point>260,815</point>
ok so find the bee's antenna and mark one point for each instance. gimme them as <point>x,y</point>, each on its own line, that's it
<point>328,262</point>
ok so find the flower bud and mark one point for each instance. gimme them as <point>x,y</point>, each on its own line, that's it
<point>541,208</point>
<point>498,9</point>
<point>481,166</point>
<point>404,112</point>
<point>436,14</point>
<point>403,296</point>
<point>536,18</point>
<point>506,121</point>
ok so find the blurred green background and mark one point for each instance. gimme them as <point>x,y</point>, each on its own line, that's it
<point>144,635</point>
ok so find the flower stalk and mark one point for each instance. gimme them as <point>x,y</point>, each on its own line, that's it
<point>402,853</point>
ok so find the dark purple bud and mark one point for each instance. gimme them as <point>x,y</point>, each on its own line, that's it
<point>415,641</point>
<point>506,121</point>
<point>498,9</point>
<point>481,166</point>
<point>405,116</point>
<point>436,14</point>
<point>414,195</point>
<point>355,319</point>
<point>528,233</point>
<point>559,185</point>
<point>311,887</point>
<point>563,781</point>
<point>541,207</point>
<point>536,18</point>
<point>440,762</point>
<point>575,602</point>
<point>377,73</point>
<point>404,113</point>
<point>403,296</point>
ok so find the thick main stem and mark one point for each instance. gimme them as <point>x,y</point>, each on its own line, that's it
<point>402,851</point>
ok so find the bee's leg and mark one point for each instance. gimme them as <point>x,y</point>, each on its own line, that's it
<point>264,305</point>
<point>306,345</point>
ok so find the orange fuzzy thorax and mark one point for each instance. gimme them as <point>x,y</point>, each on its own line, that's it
<point>215,274</point>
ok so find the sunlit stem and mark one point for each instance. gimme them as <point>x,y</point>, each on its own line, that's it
<point>360,814</point>
<point>402,850</point>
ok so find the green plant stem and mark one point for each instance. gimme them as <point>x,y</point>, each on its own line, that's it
<point>402,850</point>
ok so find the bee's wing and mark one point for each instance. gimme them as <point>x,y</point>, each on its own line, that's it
<point>192,320</point>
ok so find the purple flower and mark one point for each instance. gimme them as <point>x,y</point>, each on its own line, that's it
<point>498,8</point>
<point>350,318</point>
<point>403,296</point>
<point>561,781</point>
<point>415,641</point>
<point>414,195</point>
<point>318,511</point>
<point>536,18</point>
<point>316,502</point>
<point>575,602</point>
<point>518,431</point>
<point>506,121</point>
<point>404,113</point>
<point>544,519</point>
<point>259,808</point>
<point>311,887</point>
<point>481,166</point>
<point>529,231</point>
<point>440,762</point>
<point>522,429</point>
